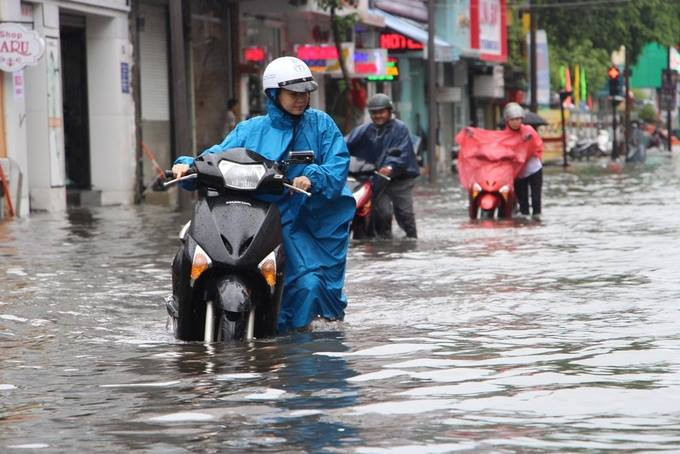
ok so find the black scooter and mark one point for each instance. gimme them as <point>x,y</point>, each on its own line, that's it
<point>227,277</point>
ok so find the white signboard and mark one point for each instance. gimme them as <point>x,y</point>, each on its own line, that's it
<point>490,32</point>
<point>542,67</point>
<point>19,47</point>
<point>675,59</point>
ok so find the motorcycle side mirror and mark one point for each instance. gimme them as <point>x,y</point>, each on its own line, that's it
<point>394,152</point>
<point>301,157</point>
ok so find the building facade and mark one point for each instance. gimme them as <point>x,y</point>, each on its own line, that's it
<point>68,121</point>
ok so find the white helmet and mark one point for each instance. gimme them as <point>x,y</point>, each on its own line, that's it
<point>512,110</point>
<point>290,73</point>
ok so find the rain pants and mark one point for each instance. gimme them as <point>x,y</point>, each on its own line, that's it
<point>316,228</point>
<point>499,154</point>
<point>372,143</point>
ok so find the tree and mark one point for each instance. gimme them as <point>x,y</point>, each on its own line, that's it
<point>587,31</point>
<point>341,27</point>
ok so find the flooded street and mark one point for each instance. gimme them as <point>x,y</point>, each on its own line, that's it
<point>558,335</point>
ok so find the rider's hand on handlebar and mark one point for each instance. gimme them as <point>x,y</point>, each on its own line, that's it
<point>179,170</point>
<point>302,183</point>
<point>387,170</point>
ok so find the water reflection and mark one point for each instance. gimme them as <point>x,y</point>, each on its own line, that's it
<point>512,336</point>
<point>82,223</point>
<point>268,393</point>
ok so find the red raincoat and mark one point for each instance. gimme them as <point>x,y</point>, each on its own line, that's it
<point>495,158</point>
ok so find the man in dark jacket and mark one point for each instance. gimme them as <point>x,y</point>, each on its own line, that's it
<point>386,142</point>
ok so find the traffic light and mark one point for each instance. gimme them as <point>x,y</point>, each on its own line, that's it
<point>614,81</point>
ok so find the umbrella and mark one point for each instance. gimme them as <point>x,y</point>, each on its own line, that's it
<point>530,119</point>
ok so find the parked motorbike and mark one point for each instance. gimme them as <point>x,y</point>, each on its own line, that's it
<point>227,277</point>
<point>586,148</point>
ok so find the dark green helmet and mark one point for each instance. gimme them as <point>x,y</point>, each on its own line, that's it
<point>380,101</point>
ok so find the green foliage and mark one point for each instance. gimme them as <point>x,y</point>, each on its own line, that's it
<point>648,114</point>
<point>610,25</point>
<point>345,23</point>
<point>517,64</point>
<point>587,34</point>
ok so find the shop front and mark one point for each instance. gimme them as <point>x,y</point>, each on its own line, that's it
<point>69,119</point>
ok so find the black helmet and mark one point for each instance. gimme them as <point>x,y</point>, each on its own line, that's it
<point>380,101</point>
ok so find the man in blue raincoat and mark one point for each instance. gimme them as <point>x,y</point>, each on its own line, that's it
<point>315,229</point>
<point>386,143</point>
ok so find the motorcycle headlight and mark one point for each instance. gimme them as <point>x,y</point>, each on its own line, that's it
<point>241,176</point>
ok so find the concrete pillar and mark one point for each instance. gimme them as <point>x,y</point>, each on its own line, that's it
<point>111,108</point>
<point>44,117</point>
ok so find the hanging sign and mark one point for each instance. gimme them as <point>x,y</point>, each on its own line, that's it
<point>324,58</point>
<point>19,47</point>
<point>370,62</point>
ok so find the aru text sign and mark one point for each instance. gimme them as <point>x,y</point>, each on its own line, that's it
<point>19,47</point>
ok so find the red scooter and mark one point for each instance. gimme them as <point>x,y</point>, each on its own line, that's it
<point>487,168</point>
<point>360,181</point>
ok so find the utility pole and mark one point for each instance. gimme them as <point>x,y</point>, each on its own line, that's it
<point>669,117</point>
<point>181,119</point>
<point>627,105</point>
<point>136,94</point>
<point>432,102</point>
<point>532,57</point>
<point>563,96</point>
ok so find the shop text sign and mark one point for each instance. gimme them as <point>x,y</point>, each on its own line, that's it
<point>19,47</point>
<point>397,41</point>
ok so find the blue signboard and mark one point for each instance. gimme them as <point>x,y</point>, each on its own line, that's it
<point>124,77</point>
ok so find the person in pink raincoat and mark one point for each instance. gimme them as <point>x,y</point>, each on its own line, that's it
<point>495,159</point>
<point>530,177</point>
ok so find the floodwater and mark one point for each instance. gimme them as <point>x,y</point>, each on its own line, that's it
<point>555,336</point>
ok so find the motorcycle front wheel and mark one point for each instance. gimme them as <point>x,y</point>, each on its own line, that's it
<point>238,326</point>
<point>227,326</point>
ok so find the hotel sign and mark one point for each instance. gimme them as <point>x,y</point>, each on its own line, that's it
<point>19,47</point>
<point>398,42</point>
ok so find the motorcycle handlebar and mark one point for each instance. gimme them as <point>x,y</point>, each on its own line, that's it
<point>293,188</point>
<point>382,175</point>
<point>192,175</point>
<point>187,176</point>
